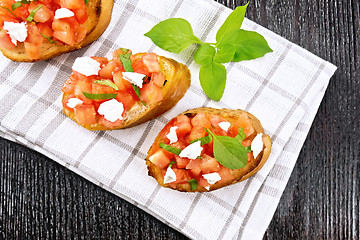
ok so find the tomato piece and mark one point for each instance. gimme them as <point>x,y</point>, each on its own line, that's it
<point>83,86</point>
<point>127,98</point>
<point>116,54</point>
<point>69,85</point>
<point>43,14</point>
<point>72,4</point>
<point>109,124</point>
<point>81,15</point>
<point>85,114</point>
<point>151,93</point>
<point>202,182</point>
<point>209,164</point>
<point>63,31</point>
<point>158,78</point>
<point>33,41</point>
<point>225,175</point>
<point>200,120</point>
<point>151,62</point>
<point>215,120</point>
<point>196,133</point>
<point>183,124</point>
<point>5,40</point>
<point>244,122</point>
<point>80,34</point>
<point>250,156</point>
<point>160,159</point>
<point>45,29</point>
<point>194,167</point>
<point>121,83</point>
<point>181,175</point>
<point>139,67</point>
<point>181,162</point>
<point>100,89</point>
<point>108,70</point>
<point>102,60</point>
<point>21,12</point>
<point>65,101</point>
<point>246,143</point>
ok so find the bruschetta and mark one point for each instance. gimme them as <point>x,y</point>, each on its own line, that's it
<point>38,30</point>
<point>206,148</point>
<point>128,90</point>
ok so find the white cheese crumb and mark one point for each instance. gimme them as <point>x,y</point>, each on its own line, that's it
<point>112,110</point>
<point>73,102</point>
<point>224,126</point>
<point>170,176</point>
<point>212,177</point>
<point>16,31</point>
<point>257,145</point>
<point>134,78</point>
<point>207,188</point>
<point>172,135</point>
<point>63,13</point>
<point>86,66</point>
<point>192,151</point>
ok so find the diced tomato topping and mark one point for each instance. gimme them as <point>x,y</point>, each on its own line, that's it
<point>183,124</point>
<point>109,124</point>
<point>158,78</point>
<point>209,164</point>
<point>43,14</point>
<point>83,86</point>
<point>45,29</point>
<point>85,114</point>
<point>140,67</point>
<point>5,40</point>
<point>244,122</point>
<point>196,133</point>
<point>108,70</point>
<point>250,156</point>
<point>151,93</point>
<point>121,83</point>
<point>65,101</point>
<point>160,159</point>
<point>63,31</point>
<point>201,120</point>
<point>127,98</point>
<point>182,162</point>
<point>33,41</point>
<point>225,175</point>
<point>100,89</point>
<point>69,85</point>
<point>151,62</point>
<point>246,143</point>
<point>102,60</point>
<point>202,182</point>
<point>81,15</point>
<point>194,167</point>
<point>181,175</point>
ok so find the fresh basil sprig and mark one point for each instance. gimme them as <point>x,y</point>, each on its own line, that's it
<point>101,96</point>
<point>108,83</point>
<point>31,16</point>
<point>171,149</point>
<point>126,62</point>
<point>229,152</point>
<point>204,140</point>
<point>232,44</point>
<point>16,5</point>
<point>193,184</point>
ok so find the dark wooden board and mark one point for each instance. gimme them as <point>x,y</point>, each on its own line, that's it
<point>41,199</point>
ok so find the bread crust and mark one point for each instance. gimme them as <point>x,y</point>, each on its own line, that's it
<point>239,174</point>
<point>178,81</point>
<point>99,16</point>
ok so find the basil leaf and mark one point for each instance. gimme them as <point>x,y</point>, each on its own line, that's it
<point>248,149</point>
<point>224,54</point>
<point>233,21</point>
<point>213,80</point>
<point>126,62</point>
<point>193,184</point>
<point>9,11</point>
<point>31,16</point>
<point>241,135</point>
<point>248,45</point>
<point>205,54</point>
<point>86,2</point>
<point>25,2</point>
<point>108,83</point>
<point>229,152</point>
<point>171,163</point>
<point>171,149</point>
<point>173,35</point>
<point>99,96</point>
<point>136,89</point>
<point>16,5</point>
<point>50,39</point>
<point>204,140</point>
<point>125,50</point>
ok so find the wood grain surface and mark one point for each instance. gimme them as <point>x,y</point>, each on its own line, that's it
<point>42,200</point>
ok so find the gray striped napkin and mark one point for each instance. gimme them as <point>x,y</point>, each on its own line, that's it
<point>283,89</point>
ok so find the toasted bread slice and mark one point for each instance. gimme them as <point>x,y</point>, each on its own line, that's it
<point>178,79</point>
<point>99,16</point>
<point>238,174</point>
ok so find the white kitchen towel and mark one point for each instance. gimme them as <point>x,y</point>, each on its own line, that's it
<point>283,89</point>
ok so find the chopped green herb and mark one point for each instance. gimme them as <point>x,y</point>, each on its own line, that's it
<point>31,16</point>
<point>171,149</point>
<point>126,62</point>
<point>16,5</point>
<point>99,96</point>
<point>9,11</point>
<point>86,2</point>
<point>193,184</point>
<point>137,91</point>
<point>171,163</point>
<point>50,39</point>
<point>108,83</point>
<point>204,140</point>
<point>125,50</point>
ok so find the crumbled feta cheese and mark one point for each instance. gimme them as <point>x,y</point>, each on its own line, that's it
<point>63,13</point>
<point>16,31</point>
<point>86,66</point>
<point>112,110</point>
<point>224,126</point>
<point>192,151</point>
<point>257,145</point>
<point>134,78</point>
<point>172,135</point>
<point>73,102</point>
<point>170,176</point>
<point>207,188</point>
<point>212,177</point>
